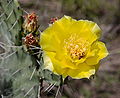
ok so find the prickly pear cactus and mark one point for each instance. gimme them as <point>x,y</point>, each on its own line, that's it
<point>16,65</point>
<point>21,68</point>
<point>11,20</point>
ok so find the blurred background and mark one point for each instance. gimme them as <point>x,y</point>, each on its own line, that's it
<point>106,13</point>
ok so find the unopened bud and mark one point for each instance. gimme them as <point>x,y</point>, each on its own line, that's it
<point>30,40</point>
<point>52,20</point>
<point>31,22</point>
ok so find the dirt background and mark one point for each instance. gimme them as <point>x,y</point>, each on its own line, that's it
<point>106,84</point>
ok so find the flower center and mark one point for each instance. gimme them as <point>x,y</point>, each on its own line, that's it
<point>76,52</point>
<point>76,47</point>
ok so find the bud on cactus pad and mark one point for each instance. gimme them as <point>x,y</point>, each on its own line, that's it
<point>31,22</point>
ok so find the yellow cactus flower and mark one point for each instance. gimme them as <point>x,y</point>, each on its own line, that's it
<point>72,48</point>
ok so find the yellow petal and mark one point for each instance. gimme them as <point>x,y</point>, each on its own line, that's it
<point>49,42</point>
<point>87,30</point>
<point>59,63</point>
<point>47,62</point>
<point>53,36</point>
<point>61,27</point>
<point>100,52</point>
<point>97,67</point>
<point>84,71</point>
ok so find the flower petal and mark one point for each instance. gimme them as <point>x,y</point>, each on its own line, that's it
<point>100,52</point>
<point>49,42</point>
<point>60,63</point>
<point>86,29</point>
<point>54,35</point>
<point>84,71</point>
<point>47,62</point>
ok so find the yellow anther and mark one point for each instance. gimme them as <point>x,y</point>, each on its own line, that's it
<point>75,47</point>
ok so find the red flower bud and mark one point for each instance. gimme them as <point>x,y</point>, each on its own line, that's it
<point>31,22</point>
<point>30,40</point>
<point>52,20</point>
